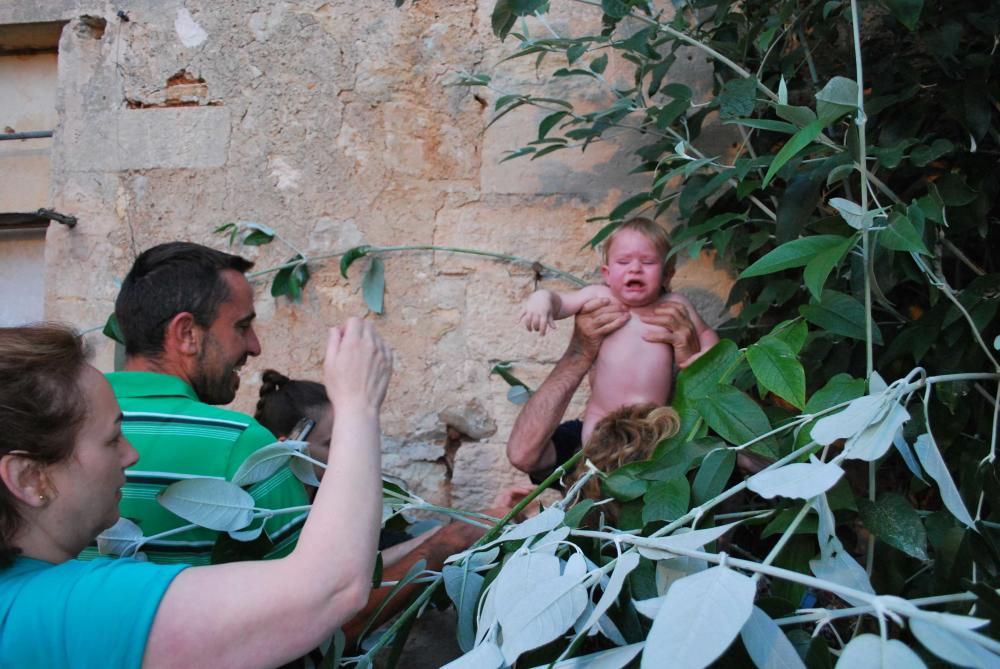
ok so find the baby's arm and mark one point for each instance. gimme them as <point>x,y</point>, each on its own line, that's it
<point>544,307</point>
<point>707,337</point>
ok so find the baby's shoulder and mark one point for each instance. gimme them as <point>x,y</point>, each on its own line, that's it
<point>595,290</point>
<point>675,297</point>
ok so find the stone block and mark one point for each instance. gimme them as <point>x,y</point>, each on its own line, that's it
<point>139,139</point>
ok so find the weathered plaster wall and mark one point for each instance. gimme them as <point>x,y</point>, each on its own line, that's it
<point>333,123</point>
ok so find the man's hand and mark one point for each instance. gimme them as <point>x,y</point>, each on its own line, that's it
<point>597,319</point>
<point>675,328</point>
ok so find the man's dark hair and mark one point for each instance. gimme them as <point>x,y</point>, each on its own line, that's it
<point>167,280</point>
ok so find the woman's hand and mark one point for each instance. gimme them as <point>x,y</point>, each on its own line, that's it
<point>358,366</point>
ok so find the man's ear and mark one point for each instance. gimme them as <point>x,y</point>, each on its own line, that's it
<point>25,479</point>
<point>183,335</point>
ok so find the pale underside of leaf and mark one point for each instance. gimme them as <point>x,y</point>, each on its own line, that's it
<point>614,658</point>
<point>868,651</point>
<point>701,616</point>
<point>767,645</point>
<point>212,503</point>
<point>801,480</point>
<point>949,646</point>
<point>935,466</point>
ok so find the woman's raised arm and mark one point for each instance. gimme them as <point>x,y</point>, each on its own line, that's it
<point>262,614</point>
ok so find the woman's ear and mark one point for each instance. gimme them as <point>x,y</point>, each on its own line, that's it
<point>25,478</point>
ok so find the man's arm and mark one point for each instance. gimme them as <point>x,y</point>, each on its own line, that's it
<point>530,446</point>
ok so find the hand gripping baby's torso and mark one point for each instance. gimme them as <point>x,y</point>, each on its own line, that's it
<point>630,370</point>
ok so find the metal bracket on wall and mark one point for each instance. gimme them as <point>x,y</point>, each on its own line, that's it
<point>38,219</point>
<point>29,134</point>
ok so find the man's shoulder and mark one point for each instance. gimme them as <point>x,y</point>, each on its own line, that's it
<point>162,398</point>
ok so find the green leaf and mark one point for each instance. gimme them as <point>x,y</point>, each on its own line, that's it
<point>922,155</point>
<point>112,330</point>
<point>854,215</point>
<point>550,122</point>
<point>895,522</point>
<point>838,97</point>
<point>602,234</point>
<point>797,205</point>
<point>574,52</point>
<point>776,369</point>
<point>793,333</point>
<point>626,207</point>
<point>954,191</point>
<point>841,388</point>
<point>713,474</point>
<point>547,150</point>
<point>258,238</point>
<point>666,500</point>
<point>763,124</point>
<point>839,314</point>
<point>818,269</point>
<point>526,7</point>
<point>799,141</point>
<point>906,12</point>
<point>900,235</point>
<point>737,98</point>
<point>502,369</point>
<point>796,253</point>
<point>350,256</point>
<point>616,9</point>
<point>511,155</point>
<point>599,64</point>
<point>624,483</point>
<point>290,280</point>
<point>373,285</point>
<point>733,415</point>
<point>707,372</point>
<point>502,19</point>
<point>800,116</point>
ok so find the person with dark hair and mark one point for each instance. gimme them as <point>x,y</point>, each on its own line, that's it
<point>283,403</point>
<point>62,462</point>
<point>186,312</point>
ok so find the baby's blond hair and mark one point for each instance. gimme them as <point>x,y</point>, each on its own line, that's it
<point>626,435</point>
<point>652,231</point>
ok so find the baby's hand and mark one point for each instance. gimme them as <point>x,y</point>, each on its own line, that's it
<point>536,314</point>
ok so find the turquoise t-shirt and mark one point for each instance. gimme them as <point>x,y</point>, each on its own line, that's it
<point>79,614</point>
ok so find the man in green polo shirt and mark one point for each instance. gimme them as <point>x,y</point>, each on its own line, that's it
<point>186,313</point>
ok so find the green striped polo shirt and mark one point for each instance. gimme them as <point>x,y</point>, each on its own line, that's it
<point>180,437</point>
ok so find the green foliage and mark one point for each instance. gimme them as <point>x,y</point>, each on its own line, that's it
<point>859,223</point>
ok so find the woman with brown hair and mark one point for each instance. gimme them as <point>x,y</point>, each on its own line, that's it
<point>62,458</point>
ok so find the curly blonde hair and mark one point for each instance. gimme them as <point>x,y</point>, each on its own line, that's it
<point>627,435</point>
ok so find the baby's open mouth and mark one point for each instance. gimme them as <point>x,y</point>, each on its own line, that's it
<point>634,283</point>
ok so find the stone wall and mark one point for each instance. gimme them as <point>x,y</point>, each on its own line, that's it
<point>334,124</point>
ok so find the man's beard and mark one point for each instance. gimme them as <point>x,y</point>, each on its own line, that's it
<point>219,387</point>
<point>214,389</point>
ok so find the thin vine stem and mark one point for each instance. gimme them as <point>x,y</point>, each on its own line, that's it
<point>490,535</point>
<point>516,260</point>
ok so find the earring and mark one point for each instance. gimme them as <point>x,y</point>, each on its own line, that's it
<point>43,498</point>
